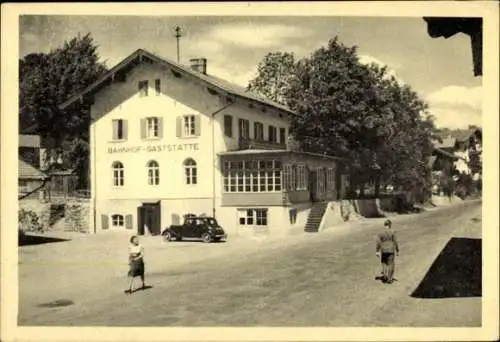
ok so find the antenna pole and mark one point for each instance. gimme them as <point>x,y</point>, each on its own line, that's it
<point>178,36</point>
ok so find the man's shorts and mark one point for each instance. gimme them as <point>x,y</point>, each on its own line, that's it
<point>387,258</point>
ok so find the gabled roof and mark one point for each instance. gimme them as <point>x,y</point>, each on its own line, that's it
<point>448,142</point>
<point>222,85</point>
<point>464,136</point>
<point>26,171</point>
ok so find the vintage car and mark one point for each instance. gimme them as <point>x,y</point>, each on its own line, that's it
<point>195,227</point>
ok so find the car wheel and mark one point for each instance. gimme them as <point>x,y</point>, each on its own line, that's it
<point>206,238</point>
<point>167,236</point>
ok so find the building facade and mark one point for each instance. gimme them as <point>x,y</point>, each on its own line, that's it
<point>168,140</point>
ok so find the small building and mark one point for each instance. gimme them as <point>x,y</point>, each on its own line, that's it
<point>167,140</point>
<point>47,178</point>
<point>31,180</point>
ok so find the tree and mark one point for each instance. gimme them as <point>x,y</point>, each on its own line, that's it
<point>274,75</point>
<point>356,111</point>
<point>48,79</point>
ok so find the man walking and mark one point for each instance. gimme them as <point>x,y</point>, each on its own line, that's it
<point>387,246</point>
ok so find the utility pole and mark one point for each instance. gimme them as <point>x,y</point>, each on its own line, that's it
<point>178,36</point>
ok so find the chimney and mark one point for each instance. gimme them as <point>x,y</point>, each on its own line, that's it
<point>199,65</point>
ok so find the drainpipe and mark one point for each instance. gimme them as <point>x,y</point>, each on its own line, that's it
<point>214,158</point>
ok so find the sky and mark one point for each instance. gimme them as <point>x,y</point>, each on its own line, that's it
<point>440,70</point>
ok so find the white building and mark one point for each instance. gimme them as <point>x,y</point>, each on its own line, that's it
<point>167,140</point>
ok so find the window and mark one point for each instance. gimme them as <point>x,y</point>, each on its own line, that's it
<point>246,217</point>
<point>301,178</point>
<point>157,87</point>
<point>252,217</point>
<point>252,176</point>
<point>188,125</point>
<point>190,171</point>
<point>119,129</point>
<point>143,88</point>
<point>228,126</point>
<point>118,174</point>
<point>244,128</point>
<point>261,217</point>
<point>117,221</point>
<point>282,135</point>
<point>272,134</point>
<point>153,173</point>
<point>258,131</point>
<point>152,127</point>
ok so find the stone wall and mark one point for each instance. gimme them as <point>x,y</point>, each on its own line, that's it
<point>78,216</point>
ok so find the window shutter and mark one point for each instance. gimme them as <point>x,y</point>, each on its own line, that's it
<point>125,129</point>
<point>104,222</point>
<point>143,128</point>
<point>294,178</point>
<point>197,125</point>
<point>128,222</point>
<point>114,127</point>
<point>178,127</point>
<point>160,127</point>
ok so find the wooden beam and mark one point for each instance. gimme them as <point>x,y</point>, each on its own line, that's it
<point>212,91</point>
<point>176,73</point>
<point>118,77</point>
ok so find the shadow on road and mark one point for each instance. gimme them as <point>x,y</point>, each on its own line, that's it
<point>456,272</point>
<point>27,240</point>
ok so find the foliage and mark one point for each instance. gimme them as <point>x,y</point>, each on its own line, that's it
<point>274,74</point>
<point>29,221</point>
<point>353,110</point>
<point>48,79</point>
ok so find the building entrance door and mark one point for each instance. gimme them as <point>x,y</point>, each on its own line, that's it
<point>149,219</point>
<point>313,185</point>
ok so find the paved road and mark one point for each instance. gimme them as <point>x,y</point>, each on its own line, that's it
<point>324,279</point>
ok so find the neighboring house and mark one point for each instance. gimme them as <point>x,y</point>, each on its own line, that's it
<point>30,180</point>
<point>457,156</point>
<point>167,140</point>
<point>29,149</point>
<point>37,172</point>
<point>469,150</point>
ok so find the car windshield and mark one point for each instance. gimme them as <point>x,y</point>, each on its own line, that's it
<point>212,222</point>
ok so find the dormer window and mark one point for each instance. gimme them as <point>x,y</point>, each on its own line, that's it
<point>143,88</point>
<point>157,87</point>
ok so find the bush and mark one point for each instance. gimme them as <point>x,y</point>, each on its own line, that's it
<point>30,221</point>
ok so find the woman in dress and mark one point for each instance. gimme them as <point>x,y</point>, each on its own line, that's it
<point>136,263</point>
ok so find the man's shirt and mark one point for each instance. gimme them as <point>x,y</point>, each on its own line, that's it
<point>387,242</point>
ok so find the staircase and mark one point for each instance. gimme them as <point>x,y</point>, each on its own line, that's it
<point>315,216</point>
